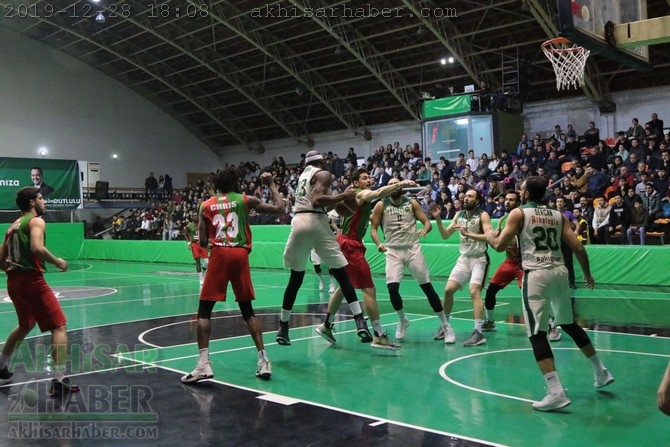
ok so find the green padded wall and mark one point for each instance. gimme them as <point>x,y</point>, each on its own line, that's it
<point>610,264</point>
<point>64,240</point>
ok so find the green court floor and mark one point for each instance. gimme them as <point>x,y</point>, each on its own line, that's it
<point>478,395</point>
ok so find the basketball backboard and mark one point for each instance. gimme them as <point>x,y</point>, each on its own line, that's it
<point>584,22</point>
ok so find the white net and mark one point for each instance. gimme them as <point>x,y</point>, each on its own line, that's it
<point>568,60</point>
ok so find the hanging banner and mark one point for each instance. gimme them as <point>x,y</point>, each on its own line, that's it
<point>58,181</point>
<point>452,105</point>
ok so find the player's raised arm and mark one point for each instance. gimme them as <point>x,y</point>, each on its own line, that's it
<point>375,221</point>
<point>500,240</point>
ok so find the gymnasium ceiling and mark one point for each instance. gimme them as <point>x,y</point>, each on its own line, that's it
<point>233,78</point>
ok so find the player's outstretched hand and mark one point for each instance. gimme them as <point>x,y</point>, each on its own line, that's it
<point>422,232</point>
<point>381,248</point>
<point>435,210</point>
<point>266,178</point>
<point>408,183</point>
<point>61,264</point>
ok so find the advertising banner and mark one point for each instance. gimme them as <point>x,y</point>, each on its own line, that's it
<point>58,181</point>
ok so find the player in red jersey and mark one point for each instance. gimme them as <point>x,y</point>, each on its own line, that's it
<point>224,225</point>
<point>353,229</point>
<point>22,256</point>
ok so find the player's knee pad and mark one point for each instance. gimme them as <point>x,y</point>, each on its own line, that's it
<point>296,278</point>
<point>490,297</point>
<point>541,348</point>
<point>247,309</point>
<point>433,297</point>
<point>205,309</point>
<point>577,333</point>
<point>394,294</point>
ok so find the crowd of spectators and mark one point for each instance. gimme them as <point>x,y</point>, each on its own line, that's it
<point>613,189</point>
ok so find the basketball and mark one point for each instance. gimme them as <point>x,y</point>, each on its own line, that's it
<point>347,207</point>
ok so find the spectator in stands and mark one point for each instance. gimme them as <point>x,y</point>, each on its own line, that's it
<point>656,125</point>
<point>472,162</point>
<point>596,181</point>
<point>582,229</point>
<point>505,160</point>
<point>571,132</point>
<point>586,207</point>
<point>523,144</point>
<point>638,222</point>
<point>662,183</point>
<point>600,222</point>
<point>622,140</point>
<point>509,183</point>
<point>637,151</point>
<point>626,177</point>
<point>151,184</point>
<point>494,161</point>
<point>619,220</point>
<point>482,171</point>
<point>591,135</point>
<point>553,166</point>
<point>168,184</point>
<point>578,180</point>
<point>635,131</point>
<point>352,157</point>
<point>651,201</point>
<point>622,152</point>
<point>631,197</point>
<point>641,185</point>
<point>572,148</point>
<point>598,156</point>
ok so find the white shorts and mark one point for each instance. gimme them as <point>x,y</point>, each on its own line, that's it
<point>314,258</point>
<point>412,257</point>
<point>472,270</point>
<point>312,230</point>
<point>545,293</point>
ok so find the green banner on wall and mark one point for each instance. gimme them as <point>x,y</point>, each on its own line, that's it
<point>452,105</point>
<point>58,180</point>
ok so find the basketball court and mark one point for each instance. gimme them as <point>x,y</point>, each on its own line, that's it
<point>132,325</point>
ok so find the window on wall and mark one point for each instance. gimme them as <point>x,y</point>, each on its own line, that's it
<point>449,137</point>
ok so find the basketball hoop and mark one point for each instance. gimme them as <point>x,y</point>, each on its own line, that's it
<point>568,60</point>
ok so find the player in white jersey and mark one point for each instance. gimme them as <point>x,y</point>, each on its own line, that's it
<point>540,231</point>
<point>310,228</point>
<point>471,267</point>
<point>398,215</point>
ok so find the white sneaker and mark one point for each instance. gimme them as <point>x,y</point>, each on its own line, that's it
<point>553,334</point>
<point>449,335</point>
<point>401,331</point>
<point>331,289</point>
<point>602,378</point>
<point>201,372</point>
<point>264,370</point>
<point>321,285</point>
<point>552,402</point>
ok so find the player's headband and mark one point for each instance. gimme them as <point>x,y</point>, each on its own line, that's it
<point>313,158</point>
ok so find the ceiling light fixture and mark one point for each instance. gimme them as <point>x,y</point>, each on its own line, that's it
<point>100,18</point>
<point>43,151</point>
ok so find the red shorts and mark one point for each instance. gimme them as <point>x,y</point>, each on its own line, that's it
<point>506,273</point>
<point>198,251</point>
<point>358,269</point>
<point>34,301</point>
<point>228,264</point>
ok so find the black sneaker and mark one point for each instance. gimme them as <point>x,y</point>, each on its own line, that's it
<point>282,334</point>
<point>362,329</point>
<point>59,388</point>
<point>5,376</point>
